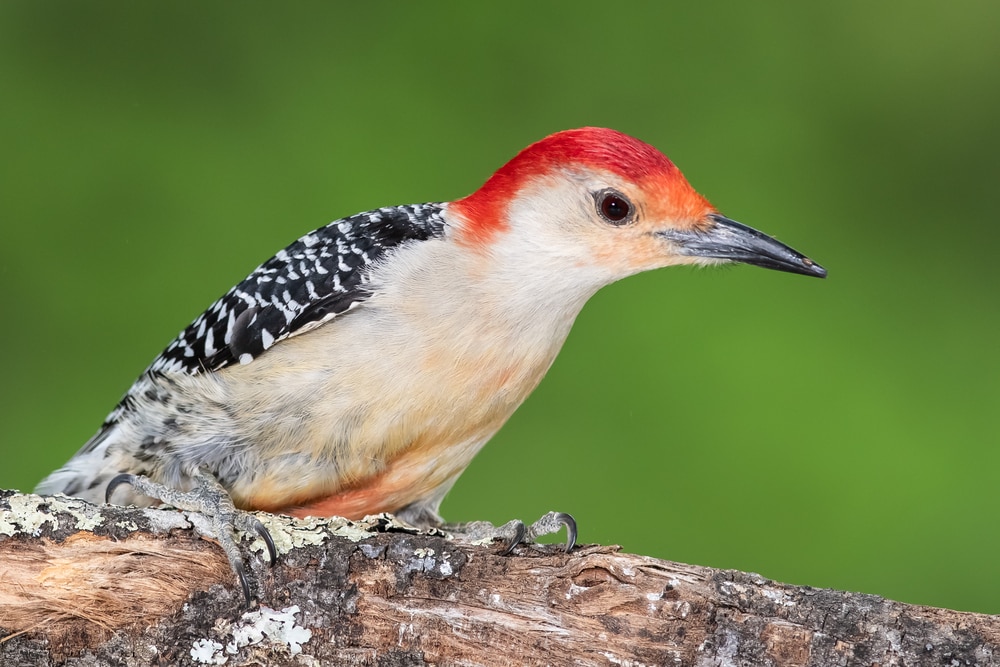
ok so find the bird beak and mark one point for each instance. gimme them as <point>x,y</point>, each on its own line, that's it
<point>735,242</point>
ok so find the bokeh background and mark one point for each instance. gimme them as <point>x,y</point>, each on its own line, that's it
<point>837,433</point>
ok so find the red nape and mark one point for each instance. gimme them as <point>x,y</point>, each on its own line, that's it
<point>595,147</point>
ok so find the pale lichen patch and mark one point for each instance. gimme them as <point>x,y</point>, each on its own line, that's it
<point>24,515</point>
<point>274,626</point>
<point>290,533</point>
<point>208,652</point>
<point>269,628</point>
<point>29,512</point>
<point>444,567</point>
<point>6,526</point>
<point>87,516</point>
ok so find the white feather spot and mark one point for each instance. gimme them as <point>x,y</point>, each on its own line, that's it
<point>210,342</point>
<point>229,327</point>
<point>250,301</point>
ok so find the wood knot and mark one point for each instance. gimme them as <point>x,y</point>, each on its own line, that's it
<point>594,576</point>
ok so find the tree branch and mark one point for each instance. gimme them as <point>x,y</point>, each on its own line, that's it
<point>105,585</point>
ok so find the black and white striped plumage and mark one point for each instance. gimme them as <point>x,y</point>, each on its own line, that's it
<point>315,278</point>
<point>319,276</point>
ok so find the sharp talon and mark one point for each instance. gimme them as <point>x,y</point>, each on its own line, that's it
<point>117,480</point>
<point>265,535</point>
<point>570,523</point>
<point>211,499</point>
<point>517,539</point>
<point>241,574</point>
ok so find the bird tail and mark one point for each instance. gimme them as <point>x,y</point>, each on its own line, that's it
<point>87,474</point>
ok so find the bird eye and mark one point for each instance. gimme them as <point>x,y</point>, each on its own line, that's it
<point>614,207</point>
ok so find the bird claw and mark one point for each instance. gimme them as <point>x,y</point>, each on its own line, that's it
<point>516,532</point>
<point>211,499</point>
<point>519,531</point>
<point>550,524</point>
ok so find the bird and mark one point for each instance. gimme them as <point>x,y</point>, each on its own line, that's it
<point>360,369</point>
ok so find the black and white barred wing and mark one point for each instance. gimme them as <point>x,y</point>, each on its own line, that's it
<point>319,276</point>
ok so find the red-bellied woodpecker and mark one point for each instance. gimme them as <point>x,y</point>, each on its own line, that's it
<point>361,368</point>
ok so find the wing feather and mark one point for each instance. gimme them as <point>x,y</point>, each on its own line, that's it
<point>318,277</point>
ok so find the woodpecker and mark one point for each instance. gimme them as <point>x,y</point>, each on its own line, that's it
<point>361,369</point>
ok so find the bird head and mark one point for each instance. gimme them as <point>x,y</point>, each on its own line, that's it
<point>599,199</point>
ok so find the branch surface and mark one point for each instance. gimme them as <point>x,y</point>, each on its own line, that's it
<point>103,585</point>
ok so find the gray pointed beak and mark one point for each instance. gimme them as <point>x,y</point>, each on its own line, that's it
<point>730,240</point>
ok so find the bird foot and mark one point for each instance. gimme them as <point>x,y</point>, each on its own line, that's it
<point>515,532</point>
<point>211,499</point>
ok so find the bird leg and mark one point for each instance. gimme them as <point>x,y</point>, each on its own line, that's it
<point>515,532</point>
<point>211,499</point>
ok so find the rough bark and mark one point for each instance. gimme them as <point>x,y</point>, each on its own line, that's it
<point>88,585</point>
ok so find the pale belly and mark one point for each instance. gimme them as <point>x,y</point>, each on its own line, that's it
<point>369,437</point>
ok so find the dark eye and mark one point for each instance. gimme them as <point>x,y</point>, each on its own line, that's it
<point>614,207</point>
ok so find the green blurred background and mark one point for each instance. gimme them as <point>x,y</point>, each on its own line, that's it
<point>837,433</point>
